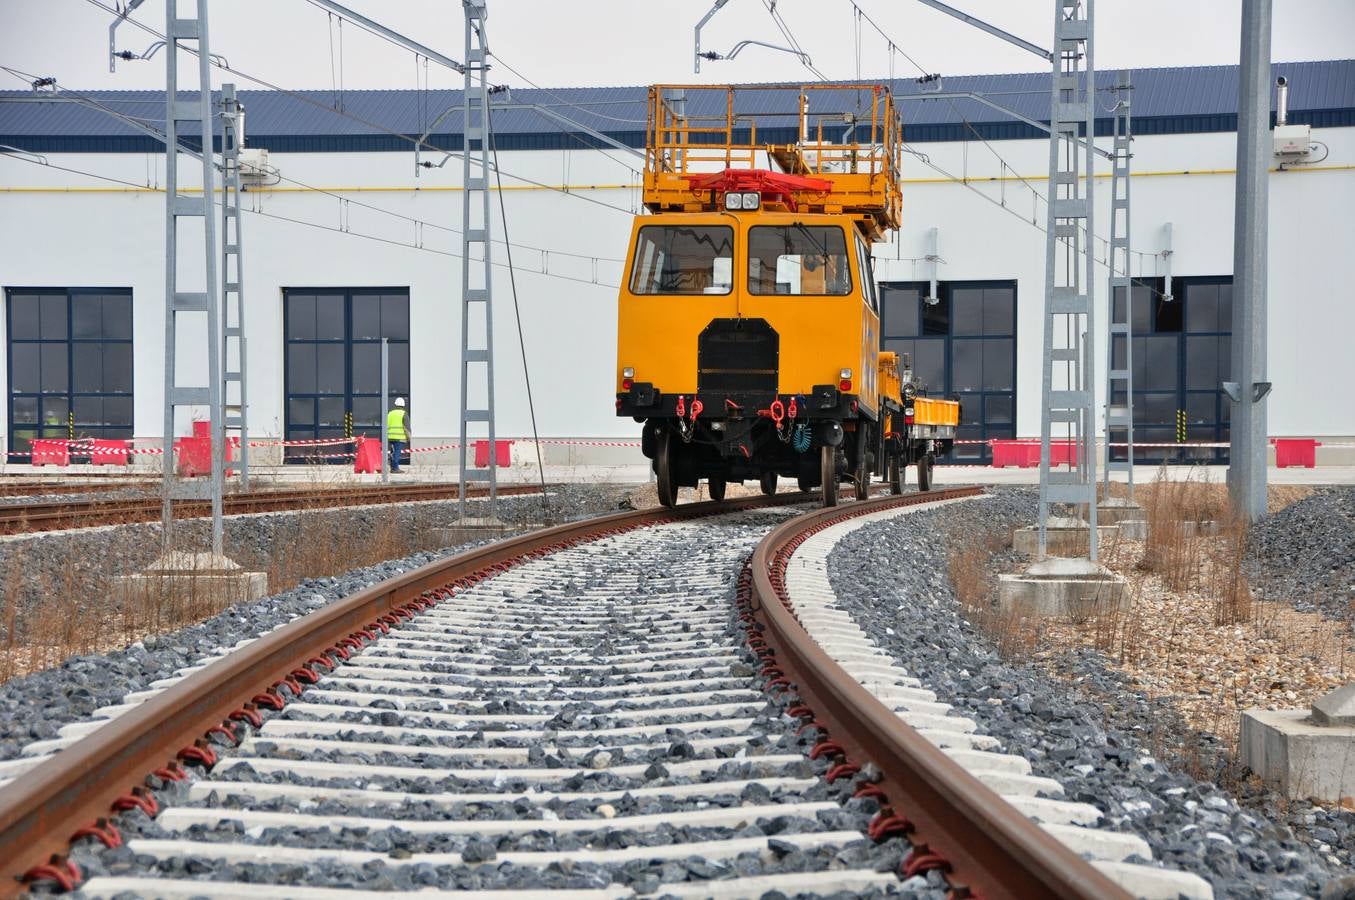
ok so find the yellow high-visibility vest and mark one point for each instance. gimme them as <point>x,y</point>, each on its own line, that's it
<point>395,425</point>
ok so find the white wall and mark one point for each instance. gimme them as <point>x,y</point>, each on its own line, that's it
<point>101,234</point>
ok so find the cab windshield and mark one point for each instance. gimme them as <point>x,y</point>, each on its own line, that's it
<point>798,260</point>
<point>684,259</point>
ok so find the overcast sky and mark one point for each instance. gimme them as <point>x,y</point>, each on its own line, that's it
<point>626,42</point>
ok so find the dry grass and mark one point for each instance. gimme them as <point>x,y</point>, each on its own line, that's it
<point>50,615</point>
<point>1193,635</point>
<point>971,576</point>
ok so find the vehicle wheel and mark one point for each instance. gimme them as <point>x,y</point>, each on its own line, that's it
<point>924,473</point>
<point>769,483</point>
<point>716,488</point>
<point>895,476</point>
<point>663,469</point>
<point>828,474</point>
<point>862,477</point>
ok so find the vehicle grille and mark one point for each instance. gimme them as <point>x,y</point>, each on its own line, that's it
<point>737,355</point>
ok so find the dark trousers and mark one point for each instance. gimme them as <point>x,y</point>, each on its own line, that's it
<point>397,448</point>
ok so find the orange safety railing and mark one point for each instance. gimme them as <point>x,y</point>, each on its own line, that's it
<point>848,135</point>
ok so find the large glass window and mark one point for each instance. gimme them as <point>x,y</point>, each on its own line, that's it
<point>675,259</point>
<point>1181,357</point>
<point>798,260</point>
<point>964,345</point>
<point>70,364</point>
<point>333,378</point>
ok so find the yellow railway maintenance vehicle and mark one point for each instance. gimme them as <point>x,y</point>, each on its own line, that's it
<point>748,332</point>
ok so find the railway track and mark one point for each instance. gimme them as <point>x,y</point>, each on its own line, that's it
<point>20,518</point>
<point>9,487</point>
<point>598,709</point>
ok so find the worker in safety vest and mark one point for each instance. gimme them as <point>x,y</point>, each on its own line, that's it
<point>397,432</point>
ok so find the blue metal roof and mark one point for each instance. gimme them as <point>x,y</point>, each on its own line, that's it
<point>1165,101</point>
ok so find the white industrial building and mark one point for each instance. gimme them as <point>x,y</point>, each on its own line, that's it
<point>345,241</point>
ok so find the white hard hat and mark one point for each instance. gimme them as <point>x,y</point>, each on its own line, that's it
<point>399,401</point>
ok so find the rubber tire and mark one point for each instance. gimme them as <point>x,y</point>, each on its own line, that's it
<point>663,469</point>
<point>924,473</point>
<point>769,483</point>
<point>828,474</point>
<point>895,476</point>
<point>716,488</point>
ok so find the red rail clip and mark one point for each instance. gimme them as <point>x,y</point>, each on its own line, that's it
<point>138,798</point>
<point>917,863</point>
<point>104,831</point>
<point>199,752</point>
<point>61,870</point>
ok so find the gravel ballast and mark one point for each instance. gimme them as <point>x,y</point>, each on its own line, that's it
<point>1091,735</point>
<point>34,706</point>
<point>1305,553</point>
<point>579,679</point>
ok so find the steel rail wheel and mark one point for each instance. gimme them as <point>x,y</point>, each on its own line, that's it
<point>715,486</point>
<point>663,469</point>
<point>924,473</point>
<point>828,475</point>
<point>861,476</point>
<point>769,483</point>
<point>895,476</point>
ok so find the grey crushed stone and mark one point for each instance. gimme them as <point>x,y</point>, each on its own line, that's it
<point>34,706</point>
<point>1305,553</point>
<point>1088,732</point>
<point>724,545</point>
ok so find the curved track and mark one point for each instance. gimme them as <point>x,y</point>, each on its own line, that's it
<point>574,703</point>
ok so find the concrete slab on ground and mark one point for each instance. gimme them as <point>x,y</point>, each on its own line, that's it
<point>1059,586</point>
<point>201,577</point>
<point>1118,510</point>
<point>1063,537</point>
<point>1290,751</point>
<point>469,529</point>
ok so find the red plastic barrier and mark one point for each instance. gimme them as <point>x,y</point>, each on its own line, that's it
<point>1291,452</point>
<point>1061,453</point>
<point>1022,453</point>
<point>51,452</point>
<point>368,457</point>
<point>109,452</point>
<point>502,454</point>
<point>195,453</point>
<point>1025,453</point>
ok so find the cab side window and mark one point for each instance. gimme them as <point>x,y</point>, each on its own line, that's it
<point>867,273</point>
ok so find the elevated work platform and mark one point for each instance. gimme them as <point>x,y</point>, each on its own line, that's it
<point>827,148</point>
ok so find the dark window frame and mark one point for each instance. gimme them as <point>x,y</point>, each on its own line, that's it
<point>69,397</point>
<point>348,395</point>
<point>1175,325</point>
<point>936,323</point>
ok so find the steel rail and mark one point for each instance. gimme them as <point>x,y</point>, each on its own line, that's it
<point>20,518</point>
<point>953,820</point>
<point>40,812</point>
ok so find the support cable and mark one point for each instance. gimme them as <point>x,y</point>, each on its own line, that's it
<point>517,315</point>
<point>416,142</point>
<point>308,224</point>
